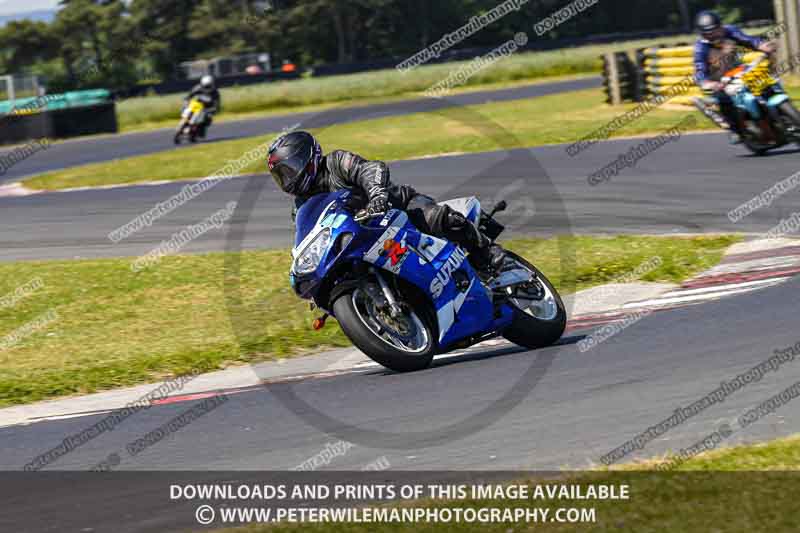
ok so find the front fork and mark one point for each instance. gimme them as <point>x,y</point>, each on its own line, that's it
<point>711,113</point>
<point>387,292</point>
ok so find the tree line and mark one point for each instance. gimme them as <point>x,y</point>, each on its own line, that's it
<point>117,43</point>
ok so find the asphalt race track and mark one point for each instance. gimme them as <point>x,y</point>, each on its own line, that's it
<point>105,148</point>
<point>685,186</point>
<point>583,406</point>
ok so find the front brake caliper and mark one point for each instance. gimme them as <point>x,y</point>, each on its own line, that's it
<point>376,294</point>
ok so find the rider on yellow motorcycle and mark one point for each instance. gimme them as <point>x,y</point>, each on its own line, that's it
<point>207,93</point>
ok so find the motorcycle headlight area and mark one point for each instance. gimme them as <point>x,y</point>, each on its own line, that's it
<point>308,260</point>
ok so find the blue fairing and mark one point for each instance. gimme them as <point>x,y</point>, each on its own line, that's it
<point>749,103</point>
<point>309,213</point>
<point>431,264</point>
<point>777,100</point>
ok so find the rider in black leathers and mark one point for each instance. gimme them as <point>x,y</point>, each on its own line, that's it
<point>299,168</point>
<point>207,92</point>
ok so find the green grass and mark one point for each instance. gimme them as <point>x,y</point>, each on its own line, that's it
<point>159,111</point>
<point>717,492</point>
<point>559,118</point>
<point>116,327</point>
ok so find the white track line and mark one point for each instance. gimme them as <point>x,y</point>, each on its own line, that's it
<point>696,297</point>
<point>719,288</point>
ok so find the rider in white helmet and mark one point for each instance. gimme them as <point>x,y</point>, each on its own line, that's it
<point>207,92</point>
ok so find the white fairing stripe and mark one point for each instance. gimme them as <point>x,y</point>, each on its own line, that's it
<point>374,253</point>
<point>432,250</point>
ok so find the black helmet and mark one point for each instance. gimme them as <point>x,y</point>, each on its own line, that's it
<point>294,161</point>
<point>706,22</point>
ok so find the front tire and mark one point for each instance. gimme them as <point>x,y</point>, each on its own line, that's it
<point>755,147</point>
<point>180,131</point>
<point>529,331</point>
<point>789,111</point>
<point>361,324</point>
<point>792,115</point>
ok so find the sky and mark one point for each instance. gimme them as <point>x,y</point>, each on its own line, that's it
<point>12,7</point>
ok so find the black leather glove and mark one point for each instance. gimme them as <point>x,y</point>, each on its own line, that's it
<point>378,205</point>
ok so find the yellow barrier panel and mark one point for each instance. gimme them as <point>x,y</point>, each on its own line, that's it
<point>25,111</point>
<point>670,71</point>
<point>667,81</point>
<point>679,51</point>
<point>695,91</point>
<point>668,62</point>
<point>684,99</point>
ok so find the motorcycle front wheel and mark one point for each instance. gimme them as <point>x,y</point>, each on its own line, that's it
<point>755,147</point>
<point>402,343</point>
<point>539,314</point>
<point>792,116</point>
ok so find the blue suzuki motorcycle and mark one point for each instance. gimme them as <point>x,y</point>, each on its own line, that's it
<point>402,296</point>
<point>767,118</point>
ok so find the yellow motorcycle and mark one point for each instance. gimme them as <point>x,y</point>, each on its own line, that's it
<point>192,119</point>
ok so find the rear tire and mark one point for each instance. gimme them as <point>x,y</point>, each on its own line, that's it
<point>529,331</point>
<point>376,348</point>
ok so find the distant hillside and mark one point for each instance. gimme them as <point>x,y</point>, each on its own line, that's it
<point>45,15</point>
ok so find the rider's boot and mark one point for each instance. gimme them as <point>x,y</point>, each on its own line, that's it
<point>486,257</point>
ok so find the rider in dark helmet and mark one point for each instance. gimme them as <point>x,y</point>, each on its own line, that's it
<point>299,167</point>
<point>712,59</point>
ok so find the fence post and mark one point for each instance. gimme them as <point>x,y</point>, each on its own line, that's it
<point>788,11</point>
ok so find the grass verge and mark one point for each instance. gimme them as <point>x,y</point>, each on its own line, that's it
<point>115,327</point>
<point>159,111</point>
<point>558,119</point>
<point>716,492</point>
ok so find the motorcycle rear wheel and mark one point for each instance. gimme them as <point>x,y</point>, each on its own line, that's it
<point>537,325</point>
<point>402,344</point>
